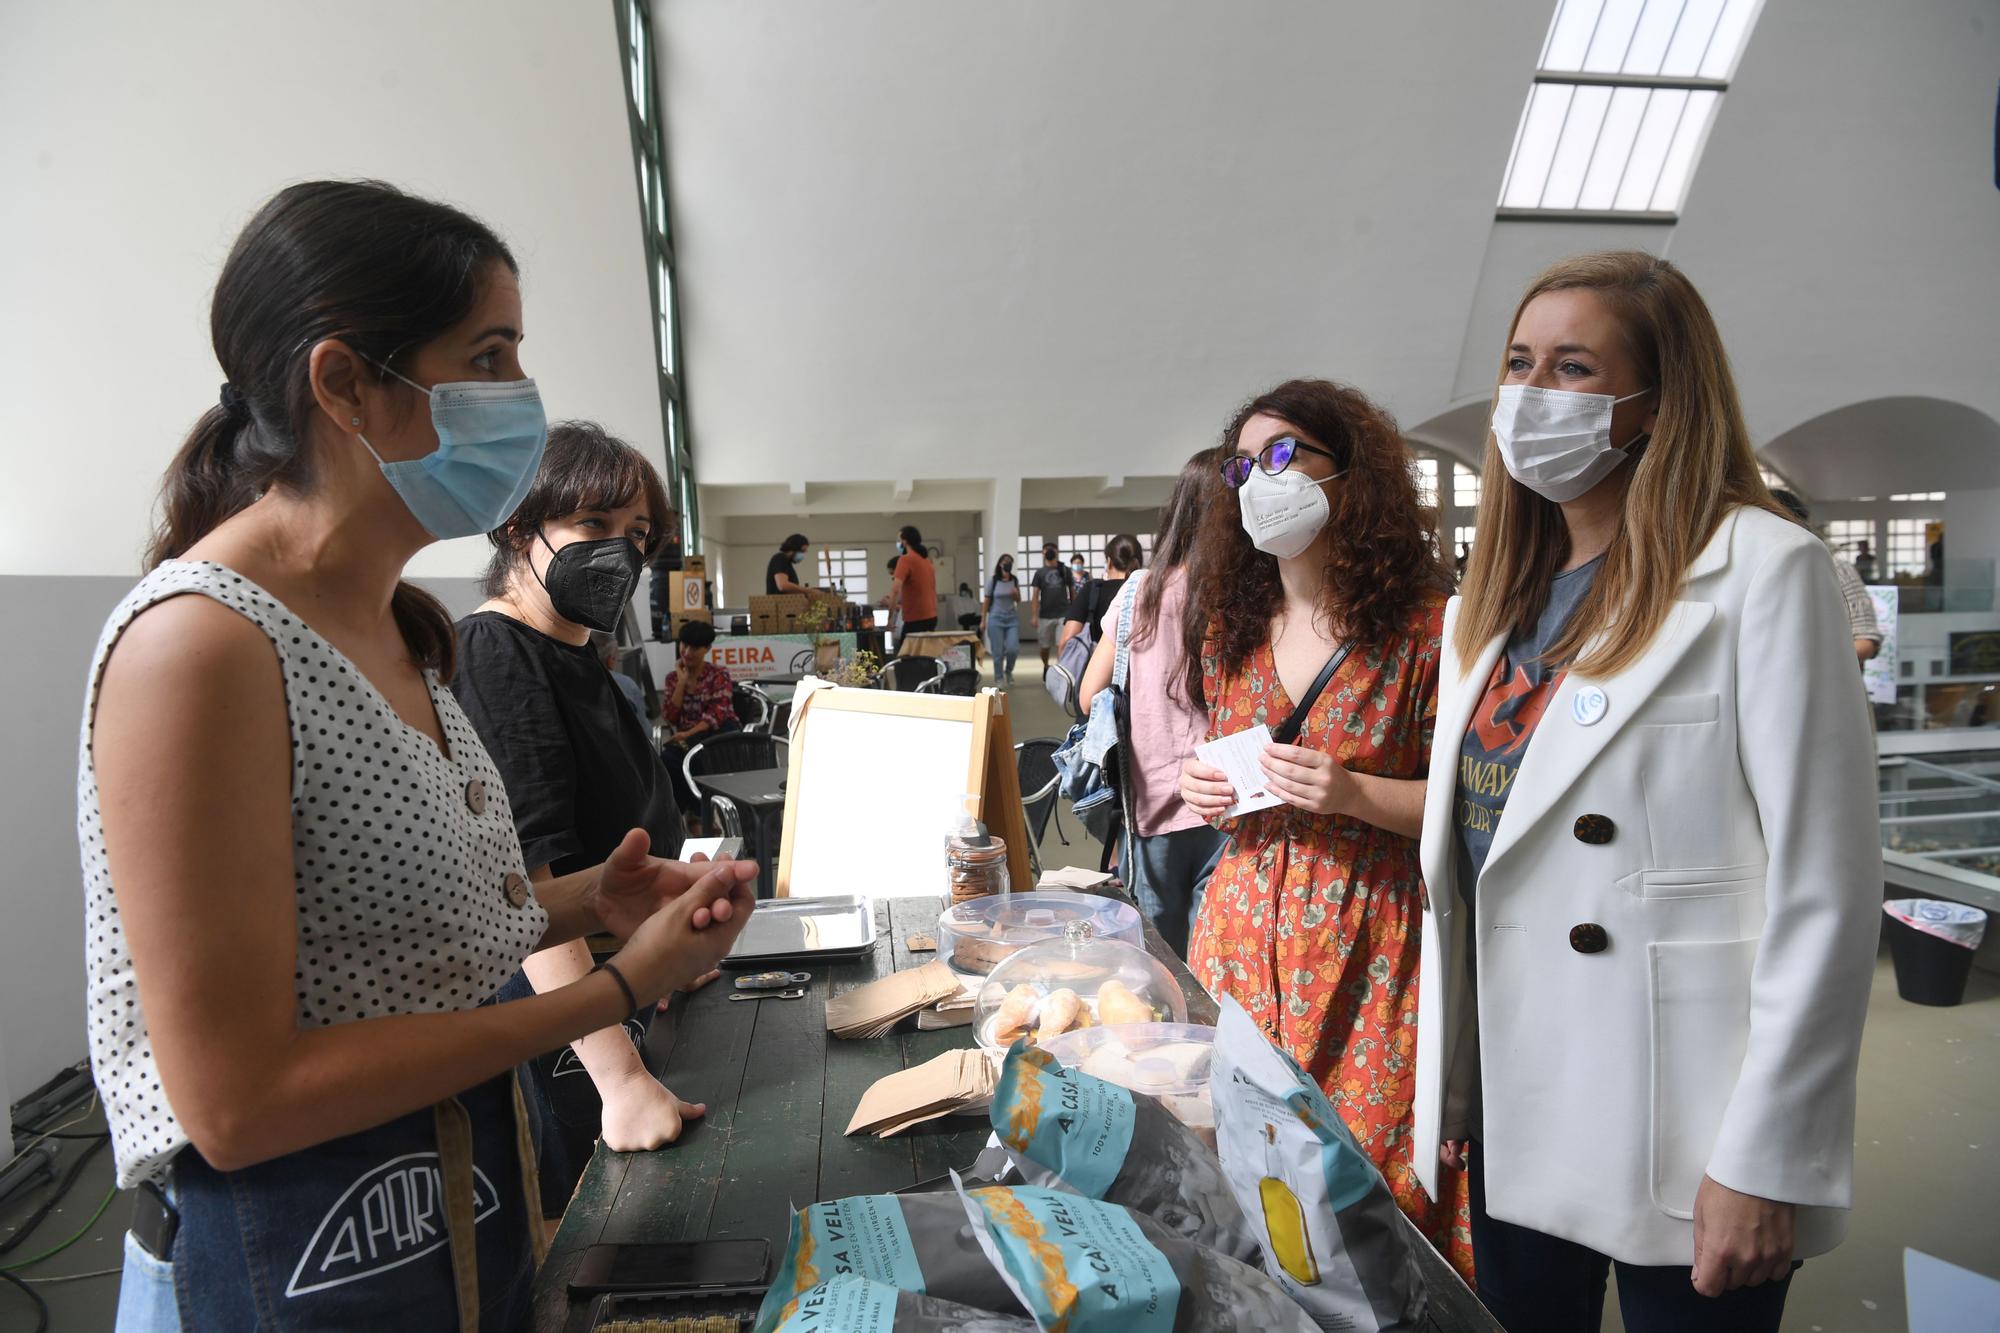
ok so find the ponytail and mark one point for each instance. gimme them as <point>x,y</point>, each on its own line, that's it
<point>204,485</point>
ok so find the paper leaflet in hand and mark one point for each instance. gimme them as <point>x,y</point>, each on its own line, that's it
<point>1240,757</point>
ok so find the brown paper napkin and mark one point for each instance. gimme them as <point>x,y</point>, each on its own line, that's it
<point>955,1081</point>
<point>874,1009</point>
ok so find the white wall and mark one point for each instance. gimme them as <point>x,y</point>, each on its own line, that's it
<point>952,238</point>
<point>139,137</point>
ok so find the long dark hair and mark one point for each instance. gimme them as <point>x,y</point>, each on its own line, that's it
<point>383,271</point>
<point>1012,577</point>
<point>583,466</point>
<point>1197,489</point>
<point>1379,566</point>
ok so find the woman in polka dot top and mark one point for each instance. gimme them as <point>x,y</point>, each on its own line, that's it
<point>302,875</point>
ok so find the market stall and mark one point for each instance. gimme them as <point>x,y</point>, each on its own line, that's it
<point>781,1092</point>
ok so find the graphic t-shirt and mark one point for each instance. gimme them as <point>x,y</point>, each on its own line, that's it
<point>1052,583</point>
<point>1517,694</point>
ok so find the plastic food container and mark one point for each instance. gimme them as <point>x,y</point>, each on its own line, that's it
<point>976,936</point>
<point>1169,1061</point>
<point>1079,981</point>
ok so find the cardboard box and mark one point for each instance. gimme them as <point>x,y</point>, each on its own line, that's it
<point>687,594</point>
<point>777,615</point>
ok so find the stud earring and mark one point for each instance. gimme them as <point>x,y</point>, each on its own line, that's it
<point>354,422</point>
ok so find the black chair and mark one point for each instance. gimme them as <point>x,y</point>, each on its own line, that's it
<point>731,752</point>
<point>1034,762</point>
<point>906,673</point>
<point>752,705</point>
<point>781,721</point>
<point>960,681</point>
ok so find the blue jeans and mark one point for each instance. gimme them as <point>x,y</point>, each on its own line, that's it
<point>1532,1281</point>
<point>1169,874</point>
<point>1003,640</point>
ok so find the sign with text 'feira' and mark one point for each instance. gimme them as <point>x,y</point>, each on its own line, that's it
<point>751,656</point>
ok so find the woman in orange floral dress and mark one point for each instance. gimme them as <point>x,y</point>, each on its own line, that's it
<point>1313,918</point>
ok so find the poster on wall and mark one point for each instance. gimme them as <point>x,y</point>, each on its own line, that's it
<point>1879,671</point>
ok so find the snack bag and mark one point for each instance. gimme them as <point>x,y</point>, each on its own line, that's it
<point>1330,1230</point>
<point>919,1243</point>
<point>850,1303</point>
<point>1083,1266</point>
<point>1065,1128</point>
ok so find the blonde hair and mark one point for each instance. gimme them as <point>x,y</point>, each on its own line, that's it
<point>1696,467</point>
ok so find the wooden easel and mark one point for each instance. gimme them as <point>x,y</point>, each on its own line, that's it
<point>871,759</point>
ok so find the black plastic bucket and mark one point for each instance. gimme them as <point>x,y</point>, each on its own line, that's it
<point>1929,970</point>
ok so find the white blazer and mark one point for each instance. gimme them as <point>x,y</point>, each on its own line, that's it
<point>1716,1027</point>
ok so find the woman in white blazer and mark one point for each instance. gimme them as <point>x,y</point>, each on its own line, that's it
<point>1650,838</point>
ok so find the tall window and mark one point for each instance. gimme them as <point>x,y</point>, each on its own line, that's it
<point>1464,486</point>
<point>642,107</point>
<point>845,571</point>
<point>1426,472</point>
<point>1909,549</point>
<point>1845,536</point>
<point>1622,99</point>
<point>1462,536</point>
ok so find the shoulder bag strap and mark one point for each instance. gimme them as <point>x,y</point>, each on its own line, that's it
<point>1121,662</point>
<point>1288,731</point>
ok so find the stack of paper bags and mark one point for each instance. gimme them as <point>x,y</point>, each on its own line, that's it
<point>953,1011</point>
<point>961,1080</point>
<point>873,1010</point>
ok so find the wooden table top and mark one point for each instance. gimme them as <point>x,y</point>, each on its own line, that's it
<point>780,1092</point>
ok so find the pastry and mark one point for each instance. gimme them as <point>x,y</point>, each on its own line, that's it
<point>1058,1014</point>
<point>1117,1004</point>
<point>1014,1014</point>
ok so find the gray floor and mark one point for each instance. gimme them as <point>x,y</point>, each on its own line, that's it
<point>1927,1151</point>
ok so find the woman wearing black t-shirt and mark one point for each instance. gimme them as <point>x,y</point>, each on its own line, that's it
<point>1121,557</point>
<point>579,768</point>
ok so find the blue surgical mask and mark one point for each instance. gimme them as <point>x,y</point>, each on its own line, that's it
<point>902,549</point>
<point>798,556</point>
<point>490,438</point>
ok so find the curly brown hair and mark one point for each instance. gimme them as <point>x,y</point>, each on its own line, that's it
<point>1380,565</point>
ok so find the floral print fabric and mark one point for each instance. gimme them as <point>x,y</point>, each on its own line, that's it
<point>1314,923</point>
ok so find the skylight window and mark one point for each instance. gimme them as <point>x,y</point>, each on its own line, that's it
<point>1623,97</point>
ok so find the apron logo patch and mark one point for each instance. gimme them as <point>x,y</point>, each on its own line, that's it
<point>393,1215</point>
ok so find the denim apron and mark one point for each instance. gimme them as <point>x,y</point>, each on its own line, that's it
<point>419,1224</point>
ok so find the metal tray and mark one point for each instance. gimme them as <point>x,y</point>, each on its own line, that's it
<point>788,928</point>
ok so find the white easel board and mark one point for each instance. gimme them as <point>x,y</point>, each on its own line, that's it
<point>875,778</point>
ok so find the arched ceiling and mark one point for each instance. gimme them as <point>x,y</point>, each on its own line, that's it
<point>1887,445</point>
<point>948,238</point>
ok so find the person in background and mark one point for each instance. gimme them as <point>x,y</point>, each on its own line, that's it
<point>1122,555</point>
<point>579,768</point>
<point>913,594</point>
<point>1079,574</point>
<point>1001,620</point>
<point>1864,561</point>
<point>1171,852</point>
<point>1310,918</point>
<point>1464,555</point>
<point>697,699</point>
<point>1862,626</point>
<point>606,648</point>
<point>781,576</point>
<point>1048,600</point>
<point>301,870</point>
<point>1651,844</point>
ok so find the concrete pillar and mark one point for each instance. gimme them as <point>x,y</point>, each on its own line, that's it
<point>1001,521</point>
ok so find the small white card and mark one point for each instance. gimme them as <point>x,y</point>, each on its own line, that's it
<point>1240,757</point>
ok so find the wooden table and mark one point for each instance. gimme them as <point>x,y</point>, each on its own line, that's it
<point>936,642</point>
<point>780,1092</point>
<point>759,793</point>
